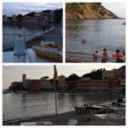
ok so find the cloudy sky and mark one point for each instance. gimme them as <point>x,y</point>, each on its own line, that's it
<point>117,8</point>
<point>14,73</point>
<point>16,8</point>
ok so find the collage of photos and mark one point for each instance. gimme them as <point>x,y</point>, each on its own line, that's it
<point>63,63</point>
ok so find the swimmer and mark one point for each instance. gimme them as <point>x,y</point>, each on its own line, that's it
<point>83,41</point>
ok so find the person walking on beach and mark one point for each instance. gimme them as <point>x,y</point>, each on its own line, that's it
<point>104,55</point>
<point>94,55</point>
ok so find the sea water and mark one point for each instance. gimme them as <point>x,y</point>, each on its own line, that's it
<point>10,31</point>
<point>98,34</point>
<point>20,106</point>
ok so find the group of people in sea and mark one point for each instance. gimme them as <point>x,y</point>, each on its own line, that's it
<point>118,56</point>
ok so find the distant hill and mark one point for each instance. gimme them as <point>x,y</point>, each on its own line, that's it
<point>120,72</point>
<point>102,73</point>
<point>57,16</point>
<point>88,11</point>
<point>58,13</point>
<point>95,74</point>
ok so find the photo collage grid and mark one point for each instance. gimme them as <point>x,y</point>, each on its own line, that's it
<point>63,63</point>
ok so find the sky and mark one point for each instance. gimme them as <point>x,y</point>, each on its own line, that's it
<point>117,8</point>
<point>10,9</point>
<point>15,8</point>
<point>14,73</point>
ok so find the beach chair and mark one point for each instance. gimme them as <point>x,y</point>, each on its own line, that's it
<point>72,122</point>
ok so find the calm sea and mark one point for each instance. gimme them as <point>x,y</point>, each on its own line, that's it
<point>98,34</point>
<point>17,106</point>
<point>10,31</point>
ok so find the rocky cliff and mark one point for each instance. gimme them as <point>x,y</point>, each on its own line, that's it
<point>88,11</point>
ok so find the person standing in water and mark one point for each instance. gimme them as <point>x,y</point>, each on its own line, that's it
<point>119,56</point>
<point>104,55</point>
<point>94,55</point>
<point>83,41</point>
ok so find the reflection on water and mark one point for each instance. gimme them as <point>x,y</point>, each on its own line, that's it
<point>38,104</point>
<point>98,34</point>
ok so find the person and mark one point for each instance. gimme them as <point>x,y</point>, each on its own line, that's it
<point>83,41</point>
<point>123,58</point>
<point>94,55</point>
<point>104,55</point>
<point>119,56</point>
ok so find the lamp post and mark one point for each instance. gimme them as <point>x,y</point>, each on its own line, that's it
<point>54,81</point>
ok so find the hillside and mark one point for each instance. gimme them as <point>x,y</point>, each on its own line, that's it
<point>88,11</point>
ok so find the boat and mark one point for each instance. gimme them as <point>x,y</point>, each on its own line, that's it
<point>48,50</point>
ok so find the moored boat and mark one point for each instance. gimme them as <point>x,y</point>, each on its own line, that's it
<point>48,51</point>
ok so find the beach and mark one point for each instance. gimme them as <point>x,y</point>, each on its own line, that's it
<point>64,119</point>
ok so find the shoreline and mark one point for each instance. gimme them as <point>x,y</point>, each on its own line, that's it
<point>88,91</point>
<point>63,119</point>
<point>97,19</point>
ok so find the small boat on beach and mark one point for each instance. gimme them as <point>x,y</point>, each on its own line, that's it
<point>48,50</point>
